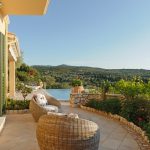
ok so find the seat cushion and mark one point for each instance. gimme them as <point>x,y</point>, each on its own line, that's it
<point>51,108</point>
<point>70,115</point>
<point>41,99</point>
<point>58,114</point>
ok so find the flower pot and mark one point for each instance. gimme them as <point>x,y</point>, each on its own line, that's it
<point>77,89</point>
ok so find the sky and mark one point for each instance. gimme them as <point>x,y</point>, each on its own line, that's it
<point>98,33</point>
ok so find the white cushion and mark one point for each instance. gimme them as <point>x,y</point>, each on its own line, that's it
<point>41,99</point>
<point>72,115</point>
<point>51,108</point>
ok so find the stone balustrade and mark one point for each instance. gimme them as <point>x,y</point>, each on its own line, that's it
<point>83,98</point>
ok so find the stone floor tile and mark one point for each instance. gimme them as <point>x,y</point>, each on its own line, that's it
<point>111,144</point>
<point>20,132</point>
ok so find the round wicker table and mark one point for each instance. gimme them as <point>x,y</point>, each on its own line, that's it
<point>63,133</point>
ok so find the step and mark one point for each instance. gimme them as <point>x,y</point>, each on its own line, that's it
<point>2,122</point>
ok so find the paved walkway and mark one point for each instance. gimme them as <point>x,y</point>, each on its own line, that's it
<point>19,132</point>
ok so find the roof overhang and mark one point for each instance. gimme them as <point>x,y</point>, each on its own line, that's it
<point>24,7</point>
<point>12,54</point>
<point>13,46</point>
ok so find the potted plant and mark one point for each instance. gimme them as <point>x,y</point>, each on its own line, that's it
<point>77,86</point>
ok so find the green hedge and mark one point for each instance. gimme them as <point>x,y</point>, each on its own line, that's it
<point>146,127</point>
<point>17,104</point>
<point>108,105</point>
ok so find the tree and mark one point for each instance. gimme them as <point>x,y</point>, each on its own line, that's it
<point>22,76</point>
<point>131,89</point>
<point>24,68</point>
<point>105,85</point>
<point>28,75</point>
<point>49,81</point>
<point>147,89</point>
<point>24,90</point>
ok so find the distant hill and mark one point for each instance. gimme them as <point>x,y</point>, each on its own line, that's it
<point>90,75</point>
<point>67,68</point>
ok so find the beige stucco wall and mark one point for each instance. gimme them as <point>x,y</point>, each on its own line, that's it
<point>2,24</point>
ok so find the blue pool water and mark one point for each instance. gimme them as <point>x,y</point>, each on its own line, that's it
<point>61,94</point>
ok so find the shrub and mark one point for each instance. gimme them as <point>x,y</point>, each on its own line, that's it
<point>137,111</point>
<point>17,104</point>
<point>93,104</point>
<point>146,127</point>
<point>110,105</point>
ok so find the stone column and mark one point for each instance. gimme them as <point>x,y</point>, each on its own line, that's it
<point>12,83</point>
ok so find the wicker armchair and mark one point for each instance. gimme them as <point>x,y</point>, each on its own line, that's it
<point>37,110</point>
<point>62,133</point>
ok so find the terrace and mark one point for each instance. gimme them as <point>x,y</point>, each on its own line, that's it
<point>19,129</point>
<point>22,129</point>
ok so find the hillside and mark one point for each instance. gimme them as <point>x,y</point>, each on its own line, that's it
<point>90,75</point>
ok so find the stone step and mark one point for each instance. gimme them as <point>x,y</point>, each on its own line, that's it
<point>2,123</point>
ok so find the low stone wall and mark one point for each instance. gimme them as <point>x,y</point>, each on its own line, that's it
<point>119,96</point>
<point>83,98</point>
<point>77,99</point>
<point>139,134</point>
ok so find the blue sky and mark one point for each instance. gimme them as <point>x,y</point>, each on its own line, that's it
<point>100,33</point>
